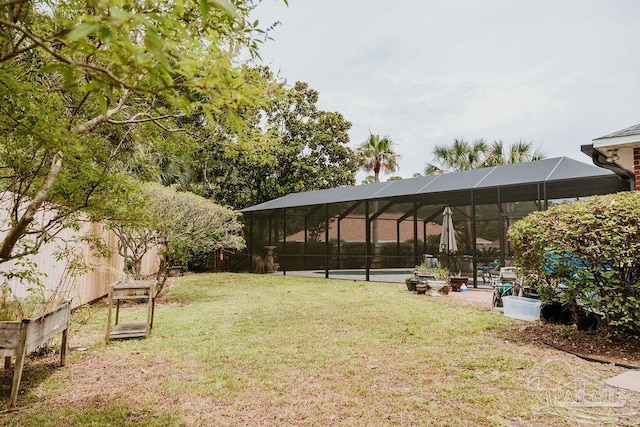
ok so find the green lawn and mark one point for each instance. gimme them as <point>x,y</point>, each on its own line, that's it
<point>233,349</point>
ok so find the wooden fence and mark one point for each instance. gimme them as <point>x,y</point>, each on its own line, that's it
<point>87,287</point>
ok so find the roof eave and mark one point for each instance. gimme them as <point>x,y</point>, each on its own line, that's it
<point>632,141</point>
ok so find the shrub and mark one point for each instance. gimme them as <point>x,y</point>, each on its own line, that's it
<point>587,255</point>
<point>392,258</point>
<point>354,254</point>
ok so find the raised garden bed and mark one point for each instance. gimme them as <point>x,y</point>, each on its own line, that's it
<point>19,338</point>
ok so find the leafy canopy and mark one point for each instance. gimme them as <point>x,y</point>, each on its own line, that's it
<point>296,147</point>
<point>377,154</point>
<point>85,87</point>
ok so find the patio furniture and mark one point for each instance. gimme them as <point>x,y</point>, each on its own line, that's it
<point>489,269</point>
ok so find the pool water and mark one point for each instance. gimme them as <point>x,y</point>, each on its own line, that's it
<point>363,272</point>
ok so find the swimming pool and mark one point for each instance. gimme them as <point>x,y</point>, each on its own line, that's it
<point>360,272</point>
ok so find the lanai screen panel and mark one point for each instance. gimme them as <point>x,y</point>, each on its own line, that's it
<point>485,204</point>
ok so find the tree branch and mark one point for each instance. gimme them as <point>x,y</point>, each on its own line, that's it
<point>102,118</point>
<point>147,118</point>
<point>43,44</point>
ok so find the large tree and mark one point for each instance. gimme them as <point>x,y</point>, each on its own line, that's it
<point>301,148</point>
<point>377,154</point>
<point>518,152</point>
<point>82,83</point>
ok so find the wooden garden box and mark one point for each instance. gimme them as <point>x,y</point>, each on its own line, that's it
<point>137,290</point>
<point>19,338</point>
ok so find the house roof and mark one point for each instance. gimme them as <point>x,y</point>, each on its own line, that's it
<point>630,131</point>
<point>628,137</point>
<point>574,179</point>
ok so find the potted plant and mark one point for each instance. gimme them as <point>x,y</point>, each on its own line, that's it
<point>434,278</point>
<point>411,283</point>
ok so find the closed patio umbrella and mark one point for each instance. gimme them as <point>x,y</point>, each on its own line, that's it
<point>448,243</point>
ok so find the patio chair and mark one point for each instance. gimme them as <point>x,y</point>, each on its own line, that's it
<point>494,272</point>
<point>485,270</point>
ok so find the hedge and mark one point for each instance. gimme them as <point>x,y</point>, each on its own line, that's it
<point>586,254</point>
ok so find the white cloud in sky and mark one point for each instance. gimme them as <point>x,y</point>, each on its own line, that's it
<point>558,73</point>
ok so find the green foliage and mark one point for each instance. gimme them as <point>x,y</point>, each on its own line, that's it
<point>353,254</point>
<point>518,152</point>
<point>369,179</point>
<point>289,145</point>
<point>592,249</point>
<point>439,273</point>
<point>464,155</point>
<point>461,155</point>
<point>84,87</point>
<point>378,155</point>
<point>392,257</point>
<point>182,224</point>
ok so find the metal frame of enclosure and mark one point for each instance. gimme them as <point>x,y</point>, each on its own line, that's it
<point>394,224</point>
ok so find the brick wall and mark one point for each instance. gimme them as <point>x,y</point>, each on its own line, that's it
<point>636,167</point>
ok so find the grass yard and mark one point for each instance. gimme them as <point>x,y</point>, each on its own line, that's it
<point>234,349</point>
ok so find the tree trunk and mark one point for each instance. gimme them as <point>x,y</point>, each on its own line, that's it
<point>20,228</point>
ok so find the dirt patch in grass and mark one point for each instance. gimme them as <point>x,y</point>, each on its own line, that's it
<point>583,343</point>
<point>588,344</point>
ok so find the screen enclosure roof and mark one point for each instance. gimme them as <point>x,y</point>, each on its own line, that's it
<point>561,177</point>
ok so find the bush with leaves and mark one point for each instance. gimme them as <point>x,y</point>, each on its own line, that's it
<point>586,254</point>
<point>179,224</point>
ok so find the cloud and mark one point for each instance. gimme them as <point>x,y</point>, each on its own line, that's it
<point>425,72</point>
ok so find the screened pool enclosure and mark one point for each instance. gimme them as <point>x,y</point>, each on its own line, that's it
<point>398,224</point>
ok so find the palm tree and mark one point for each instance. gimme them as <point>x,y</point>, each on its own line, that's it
<point>462,155</point>
<point>521,151</point>
<point>378,155</point>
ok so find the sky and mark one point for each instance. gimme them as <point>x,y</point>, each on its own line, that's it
<point>558,73</point>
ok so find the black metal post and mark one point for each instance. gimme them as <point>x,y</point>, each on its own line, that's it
<point>473,240</point>
<point>284,242</point>
<point>326,241</point>
<point>415,232</point>
<point>368,241</point>
<point>501,227</point>
<point>250,263</point>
